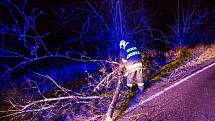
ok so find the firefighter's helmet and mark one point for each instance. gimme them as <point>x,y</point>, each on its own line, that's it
<point>123,44</point>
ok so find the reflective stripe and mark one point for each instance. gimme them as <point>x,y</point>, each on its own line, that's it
<point>140,84</point>
<point>136,65</point>
<point>132,54</point>
<point>126,74</point>
<point>131,49</point>
<point>129,85</point>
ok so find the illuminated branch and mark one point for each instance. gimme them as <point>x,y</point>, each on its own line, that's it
<point>110,112</point>
<point>17,112</point>
<point>29,24</point>
<point>187,22</point>
<point>60,56</point>
<point>4,53</point>
<point>59,98</point>
<point>106,78</point>
<point>97,14</point>
<point>62,88</point>
<point>27,108</point>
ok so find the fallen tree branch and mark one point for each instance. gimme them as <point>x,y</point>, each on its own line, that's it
<point>48,77</point>
<point>106,78</point>
<point>17,112</point>
<point>109,113</point>
<point>57,99</point>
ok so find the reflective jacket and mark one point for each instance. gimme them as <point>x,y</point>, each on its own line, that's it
<point>131,54</point>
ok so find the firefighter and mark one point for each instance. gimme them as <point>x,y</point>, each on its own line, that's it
<point>131,58</point>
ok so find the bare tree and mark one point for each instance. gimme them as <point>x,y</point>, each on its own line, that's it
<point>23,27</point>
<point>188,19</point>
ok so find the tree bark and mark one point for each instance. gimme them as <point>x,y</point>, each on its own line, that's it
<point>110,111</point>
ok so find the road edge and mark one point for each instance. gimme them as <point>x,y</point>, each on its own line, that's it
<point>168,88</point>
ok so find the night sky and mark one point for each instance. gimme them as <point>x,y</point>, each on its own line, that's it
<point>159,14</point>
<point>63,23</point>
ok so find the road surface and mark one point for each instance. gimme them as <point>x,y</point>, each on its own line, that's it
<point>193,99</point>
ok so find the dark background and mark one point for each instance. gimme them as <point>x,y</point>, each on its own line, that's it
<point>63,21</point>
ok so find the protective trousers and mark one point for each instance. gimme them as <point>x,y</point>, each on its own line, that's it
<point>135,75</point>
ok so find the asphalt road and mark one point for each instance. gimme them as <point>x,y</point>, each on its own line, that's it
<point>191,100</point>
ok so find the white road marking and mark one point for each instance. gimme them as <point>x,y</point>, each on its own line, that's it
<point>168,88</point>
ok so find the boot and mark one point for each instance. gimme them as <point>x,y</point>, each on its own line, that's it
<point>134,88</point>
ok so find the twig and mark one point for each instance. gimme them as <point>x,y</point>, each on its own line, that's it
<point>48,77</point>
<point>38,88</point>
<point>106,78</point>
